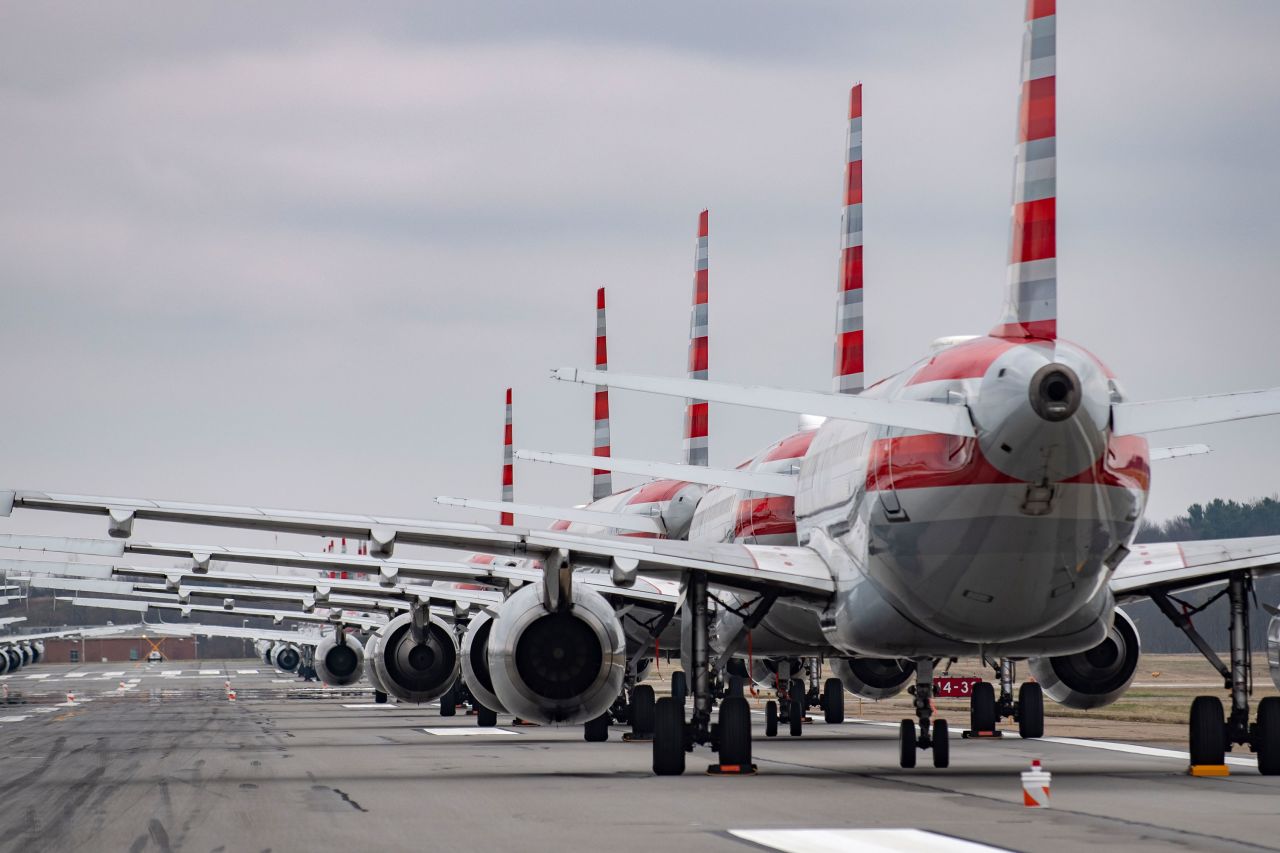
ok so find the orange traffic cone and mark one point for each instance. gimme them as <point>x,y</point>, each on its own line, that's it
<point>1035,786</point>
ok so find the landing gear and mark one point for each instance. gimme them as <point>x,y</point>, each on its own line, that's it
<point>734,737</point>
<point>668,738</point>
<point>1213,732</point>
<point>379,698</point>
<point>932,735</point>
<point>986,710</point>
<point>485,718</point>
<point>679,688</point>
<point>771,719</point>
<point>642,713</point>
<point>1030,712</point>
<point>982,709</point>
<point>833,700</point>
<point>597,730</point>
<point>796,708</point>
<point>449,702</point>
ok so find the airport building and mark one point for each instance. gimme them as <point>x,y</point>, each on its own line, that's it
<point>119,649</point>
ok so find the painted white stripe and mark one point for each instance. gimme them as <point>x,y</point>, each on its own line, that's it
<point>76,674</point>
<point>211,672</point>
<point>16,718</point>
<point>468,732</point>
<point>171,672</point>
<point>386,705</point>
<point>282,680</point>
<point>862,840</point>
<point>246,672</point>
<point>113,674</point>
<point>39,676</point>
<point>45,710</point>
<point>1135,749</point>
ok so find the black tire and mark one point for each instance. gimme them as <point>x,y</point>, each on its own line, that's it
<point>379,698</point>
<point>1030,710</point>
<point>907,744</point>
<point>668,738</point>
<point>941,744</point>
<point>679,687</point>
<point>642,705</point>
<point>833,700</point>
<point>798,691</point>
<point>770,719</point>
<point>449,702</point>
<point>795,715</point>
<point>735,732</point>
<point>1267,736</point>
<point>485,718</point>
<point>982,707</point>
<point>597,730</point>
<point>735,690</point>
<point>1208,731</point>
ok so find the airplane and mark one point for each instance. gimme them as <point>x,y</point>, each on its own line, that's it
<point>981,502</point>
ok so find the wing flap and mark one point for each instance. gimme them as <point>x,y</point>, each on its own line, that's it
<point>1181,564</point>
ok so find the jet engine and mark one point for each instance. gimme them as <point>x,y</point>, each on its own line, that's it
<point>873,678</point>
<point>25,650</point>
<point>475,662</point>
<point>1097,676</point>
<point>339,659</point>
<point>15,658</point>
<point>1273,650</point>
<point>37,651</point>
<point>4,662</point>
<point>286,657</point>
<point>412,671</point>
<point>557,666</point>
<point>370,671</point>
<point>267,650</point>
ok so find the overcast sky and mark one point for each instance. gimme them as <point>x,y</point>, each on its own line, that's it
<point>291,254</point>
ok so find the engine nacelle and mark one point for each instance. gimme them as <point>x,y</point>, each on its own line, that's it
<point>1096,677</point>
<point>764,671</point>
<point>37,651</point>
<point>4,662</point>
<point>873,678</point>
<point>370,671</point>
<point>25,650</point>
<point>286,657</point>
<point>15,658</point>
<point>267,650</point>
<point>339,659</point>
<point>414,672</point>
<point>475,662</point>
<point>561,667</point>
<point>1273,650</point>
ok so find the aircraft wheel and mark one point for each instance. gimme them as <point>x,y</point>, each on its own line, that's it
<point>642,711</point>
<point>668,738</point>
<point>379,698</point>
<point>982,707</point>
<point>770,719</point>
<point>833,700</point>
<point>597,730</point>
<point>735,732</point>
<point>679,687</point>
<point>1030,710</point>
<point>735,687</point>
<point>907,744</point>
<point>449,702</point>
<point>1267,736</point>
<point>1208,731</point>
<point>941,744</point>
<point>485,718</point>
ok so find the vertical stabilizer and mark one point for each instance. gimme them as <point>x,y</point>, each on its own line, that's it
<point>508,468</point>
<point>695,417</point>
<point>848,373</point>
<point>1031,306</point>
<point>601,481</point>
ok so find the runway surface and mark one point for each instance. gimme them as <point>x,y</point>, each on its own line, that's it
<point>167,762</point>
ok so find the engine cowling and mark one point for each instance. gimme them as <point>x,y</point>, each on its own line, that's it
<point>267,650</point>
<point>873,678</point>
<point>25,650</point>
<point>1273,650</point>
<point>15,658</point>
<point>370,671</point>
<point>37,651</point>
<point>339,659</point>
<point>475,662</point>
<point>286,657</point>
<point>4,662</point>
<point>1096,677</point>
<point>563,667</point>
<point>413,672</point>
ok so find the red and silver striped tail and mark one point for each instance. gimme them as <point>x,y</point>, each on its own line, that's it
<point>848,373</point>
<point>601,481</point>
<point>508,468</point>
<point>1031,307</point>
<point>695,416</point>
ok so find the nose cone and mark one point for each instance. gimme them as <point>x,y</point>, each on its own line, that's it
<point>1042,411</point>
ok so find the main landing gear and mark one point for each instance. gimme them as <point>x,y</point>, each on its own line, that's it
<point>1213,731</point>
<point>730,736</point>
<point>986,711</point>
<point>931,736</point>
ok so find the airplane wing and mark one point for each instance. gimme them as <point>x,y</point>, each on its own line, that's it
<point>1179,565</point>
<point>69,633</point>
<point>747,481</point>
<point>278,616</point>
<point>302,638</point>
<point>616,520</point>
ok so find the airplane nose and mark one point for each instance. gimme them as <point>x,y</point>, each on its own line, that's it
<point>1055,392</point>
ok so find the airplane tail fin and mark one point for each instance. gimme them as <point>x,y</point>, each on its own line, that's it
<point>848,373</point>
<point>1031,306</point>
<point>508,468</point>
<point>695,418</point>
<point>601,481</point>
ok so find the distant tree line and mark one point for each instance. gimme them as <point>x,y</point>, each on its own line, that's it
<point>1217,519</point>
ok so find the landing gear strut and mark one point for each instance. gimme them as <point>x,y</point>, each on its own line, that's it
<point>986,710</point>
<point>931,735</point>
<point>1213,732</point>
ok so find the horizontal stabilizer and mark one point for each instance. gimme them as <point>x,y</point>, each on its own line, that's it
<point>907,414</point>
<point>1179,451</point>
<point>616,520</point>
<point>749,481</point>
<point>1157,415</point>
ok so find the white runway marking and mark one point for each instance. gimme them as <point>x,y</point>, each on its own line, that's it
<point>171,672</point>
<point>211,672</point>
<point>112,674</point>
<point>16,718</point>
<point>1134,749</point>
<point>282,681</point>
<point>38,676</point>
<point>45,710</point>
<point>76,674</point>
<point>868,840</point>
<point>371,705</point>
<point>246,672</point>
<point>460,732</point>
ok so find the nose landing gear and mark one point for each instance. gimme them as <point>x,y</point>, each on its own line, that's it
<point>933,734</point>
